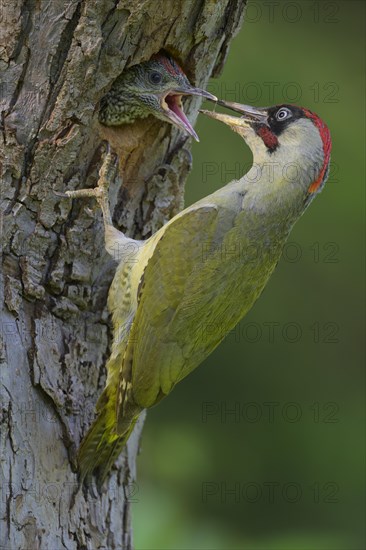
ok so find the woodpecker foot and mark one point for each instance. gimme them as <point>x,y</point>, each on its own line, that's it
<point>100,193</point>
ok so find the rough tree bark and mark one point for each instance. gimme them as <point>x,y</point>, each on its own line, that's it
<point>57,59</point>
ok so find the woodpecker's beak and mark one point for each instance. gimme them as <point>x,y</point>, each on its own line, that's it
<point>172,105</point>
<point>195,91</point>
<point>250,115</point>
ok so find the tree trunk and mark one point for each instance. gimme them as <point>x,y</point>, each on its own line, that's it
<point>57,59</point>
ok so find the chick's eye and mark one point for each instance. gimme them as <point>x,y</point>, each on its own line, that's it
<point>155,77</point>
<point>283,113</point>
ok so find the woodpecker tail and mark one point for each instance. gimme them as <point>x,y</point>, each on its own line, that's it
<point>101,447</point>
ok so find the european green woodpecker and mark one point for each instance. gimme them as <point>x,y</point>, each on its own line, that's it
<point>154,87</point>
<point>175,296</point>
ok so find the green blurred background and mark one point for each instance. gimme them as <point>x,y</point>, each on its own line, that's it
<point>286,471</point>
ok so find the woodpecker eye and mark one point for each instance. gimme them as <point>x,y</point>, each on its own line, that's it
<point>155,77</point>
<point>283,113</point>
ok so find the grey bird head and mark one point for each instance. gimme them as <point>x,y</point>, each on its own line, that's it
<point>154,87</point>
<point>283,135</point>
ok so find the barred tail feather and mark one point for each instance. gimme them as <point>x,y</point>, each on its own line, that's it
<point>101,447</point>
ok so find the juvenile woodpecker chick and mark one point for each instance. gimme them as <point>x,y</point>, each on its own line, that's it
<point>154,87</point>
<point>189,284</point>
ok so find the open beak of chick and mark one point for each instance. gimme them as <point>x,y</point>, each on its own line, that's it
<point>171,103</point>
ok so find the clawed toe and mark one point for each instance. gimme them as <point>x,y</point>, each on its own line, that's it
<point>82,193</point>
<point>100,193</point>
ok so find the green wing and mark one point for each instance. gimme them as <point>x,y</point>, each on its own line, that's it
<point>177,323</point>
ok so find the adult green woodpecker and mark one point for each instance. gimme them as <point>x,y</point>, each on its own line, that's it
<point>175,296</point>
<point>154,87</point>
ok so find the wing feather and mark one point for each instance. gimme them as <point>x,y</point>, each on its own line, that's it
<point>179,282</point>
